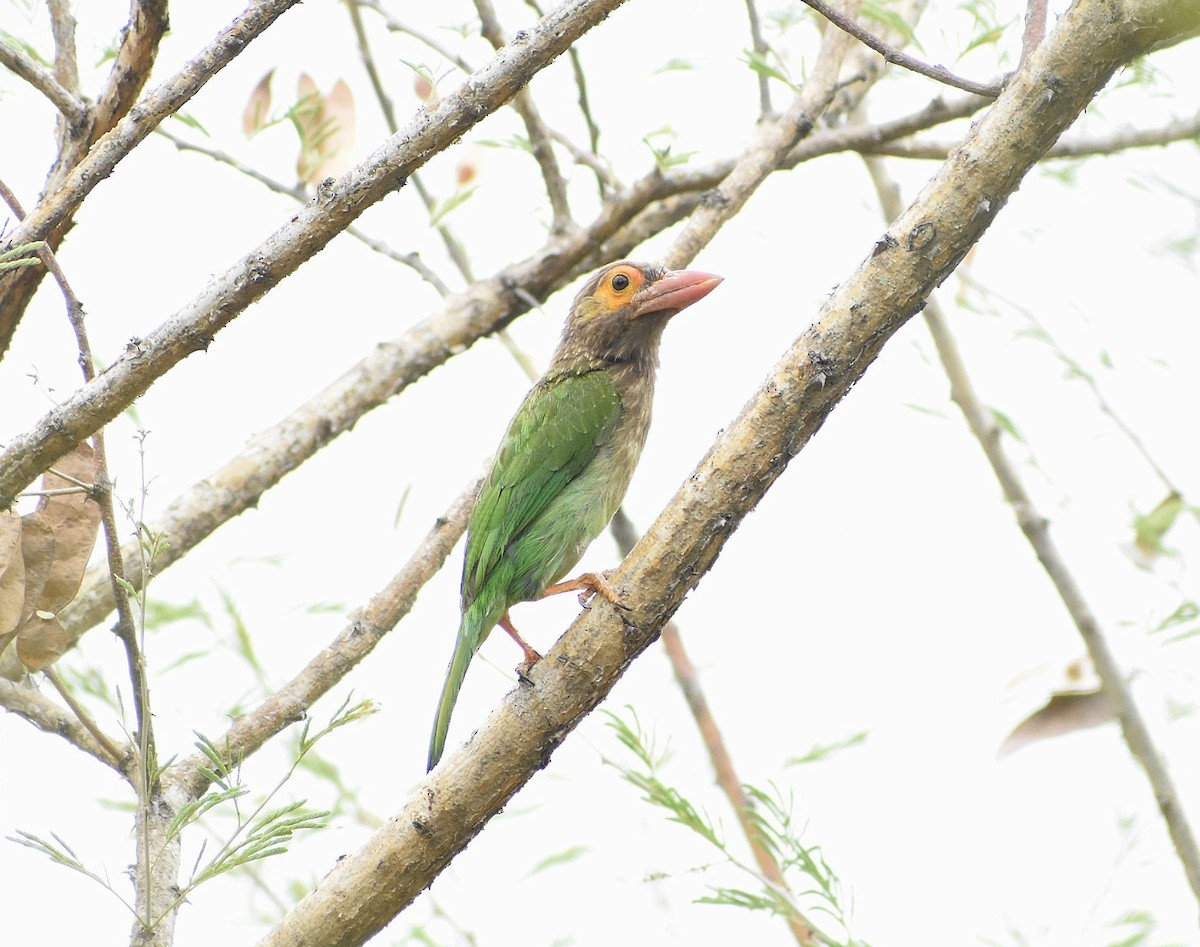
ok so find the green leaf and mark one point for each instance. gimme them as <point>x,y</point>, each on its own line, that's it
<point>822,752</point>
<point>558,858</point>
<point>457,199</point>
<point>890,19</point>
<point>1150,529</point>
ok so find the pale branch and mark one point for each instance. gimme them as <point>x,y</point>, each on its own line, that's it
<point>367,888</point>
<point>26,67</point>
<point>760,47</point>
<point>719,756</point>
<point>1080,146</point>
<point>311,921</point>
<point>364,630</point>
<point>62,29</point>
<point>535,129</point>
<point>26,702</point>
<point>625,221</point>
<point>336,205</point>
<point>901,59</point>
<point>412,260</point>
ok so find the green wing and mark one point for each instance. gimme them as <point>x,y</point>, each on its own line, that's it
<point>553,437</point>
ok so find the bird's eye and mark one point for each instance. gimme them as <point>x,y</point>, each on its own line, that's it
<point>620,282</point>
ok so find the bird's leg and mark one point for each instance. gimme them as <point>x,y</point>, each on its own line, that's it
<point>588,585</point>
<point>531,656</point>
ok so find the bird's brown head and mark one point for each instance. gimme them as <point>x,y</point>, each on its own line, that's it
<point>620,312</point>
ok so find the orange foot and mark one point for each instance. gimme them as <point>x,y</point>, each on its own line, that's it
<point>588,585</point>
<point>531,656</point>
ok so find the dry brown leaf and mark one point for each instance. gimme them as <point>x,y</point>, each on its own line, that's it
<point>12,575</point>
<point>74,519</point>
<point>258,106</point>
<point>37,551</point>
<point>42,641</point>
<point>1064,712</point>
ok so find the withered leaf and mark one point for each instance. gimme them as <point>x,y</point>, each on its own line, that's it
<point>37,552</point>
<point>258,106</point>
<point>12,575</point>
<point>41,641</point>
<point>74,519</point>
<point>1063,713</point>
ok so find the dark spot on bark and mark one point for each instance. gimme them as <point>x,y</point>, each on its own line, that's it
<point>921,237</point>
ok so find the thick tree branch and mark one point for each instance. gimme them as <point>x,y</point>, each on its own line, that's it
<point>365,889</point>
<point>192,329</point>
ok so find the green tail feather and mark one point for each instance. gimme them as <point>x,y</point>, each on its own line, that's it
<point>454,679</point>
<point>476,624</point>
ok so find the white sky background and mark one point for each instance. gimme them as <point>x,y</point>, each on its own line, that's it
<point>881,586</point>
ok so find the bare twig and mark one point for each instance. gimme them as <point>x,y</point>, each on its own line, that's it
<point>46,715</point>
<point>901,59</point>
<point>1035,27</point>
<point>411,260</point>
<point>1036,529</point>
<point>539,138</point>
<point>718,751</point>
<point>38,76</point>
<point>114,755</point>
<point>603,180</point>
<point>1080,146</point>
<point>62,28</point>
<point>761,48</point>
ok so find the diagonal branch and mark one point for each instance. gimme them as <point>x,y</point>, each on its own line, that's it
<point>192,329</point>
<point>368,887</point>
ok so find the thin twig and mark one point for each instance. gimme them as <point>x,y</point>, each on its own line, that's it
<point>1035,27</point>
<point>603,181</point>
<point>1080,146</point>
<point>761,48</point>
<point>297,193</point>
<point>539,138</point>
<point>626,536</point>
<point>38,76</point>
<point>115,755</point>
<point>62,28</point>
<point>46,715</point>
<point>898,58</point>
<point>1036,529</point>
